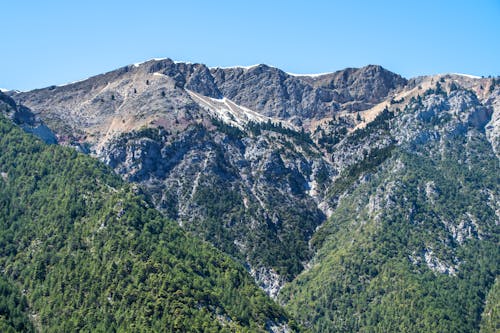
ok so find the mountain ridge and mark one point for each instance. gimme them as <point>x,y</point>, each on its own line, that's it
<point>261,164</point>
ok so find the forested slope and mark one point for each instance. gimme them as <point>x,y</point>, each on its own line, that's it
<point>414,246</point>
<point>89,253</point>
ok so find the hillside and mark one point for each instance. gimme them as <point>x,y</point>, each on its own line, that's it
<point>414,248</point>
<point>89,253</point>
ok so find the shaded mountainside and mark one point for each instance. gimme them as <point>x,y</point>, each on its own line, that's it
<point>91,254</point>
<point>373,199</point>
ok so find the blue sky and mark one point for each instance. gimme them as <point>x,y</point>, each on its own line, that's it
<point>54,42</point>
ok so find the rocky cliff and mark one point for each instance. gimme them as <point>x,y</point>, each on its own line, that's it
<point>22,116</point>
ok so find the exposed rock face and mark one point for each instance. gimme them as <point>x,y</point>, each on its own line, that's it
<point>370,84</point>
<point>442,116</point>
<point>493,127</point>
<point>195,77</point>
<point>269,91</point>
<point>97,109</point>
<point>254,159</point>
<point>278,94</point>
<point>23,117</point>
<point>158,88</point>
<point>246,195</point>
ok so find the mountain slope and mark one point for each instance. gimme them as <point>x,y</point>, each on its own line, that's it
<point>156,92</point>
<point>414,247</point>
<point>247,194</point>
<point>490,321</point>
<point>13,306</point>
<point>27,120</point>
<point>152,124</point>
<point>91,254</point>
<point>275,93</point>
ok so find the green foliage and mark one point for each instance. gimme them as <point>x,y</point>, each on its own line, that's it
<point>93,255</point>
<point>370,273</point>
<point>370,161</point>
<point>438,91</point>
<point>490,321</point>
<point>225,211</point>
<point>336,133</point>
<point>368,164</point>
<point>223,206</point>
<point>231,131</point>
<point>13,306</point>
<point>397,101</point>
<point>300,136</point>
<point>379,124</point>
<point>270,244</point>
<point>492,85</point>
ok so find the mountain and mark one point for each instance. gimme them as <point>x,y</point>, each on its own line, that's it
<point>359,199</point>
<point>81,250</point>
<point>414,247</point>
<point>198,150</point>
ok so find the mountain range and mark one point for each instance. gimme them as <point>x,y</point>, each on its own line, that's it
<point>358,200</point>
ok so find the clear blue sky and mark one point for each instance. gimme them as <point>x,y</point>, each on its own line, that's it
<point>54,42</point>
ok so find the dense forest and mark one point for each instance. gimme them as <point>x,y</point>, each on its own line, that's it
<point>81,250</point>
